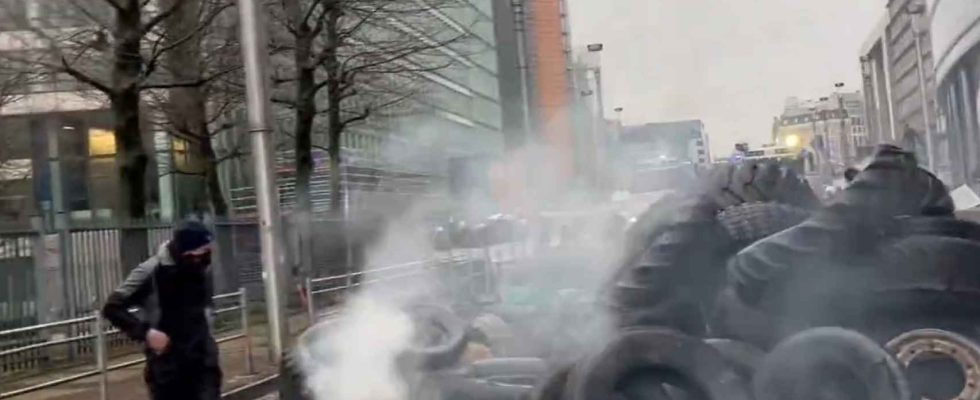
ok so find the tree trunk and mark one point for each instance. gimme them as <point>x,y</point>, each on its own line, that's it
<point>334,122</point>
<point>216,196</point>
<point>303,135</point>
<point>188,106</point>
<point>132,157</point>
<point>305,116</point>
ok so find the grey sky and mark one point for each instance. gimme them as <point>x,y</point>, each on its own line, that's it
<point>731,63</point>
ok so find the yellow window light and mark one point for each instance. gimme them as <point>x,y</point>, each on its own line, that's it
<point>101,142</point>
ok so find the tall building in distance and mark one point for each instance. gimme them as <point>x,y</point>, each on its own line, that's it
<point>831,128</point>
<point>457,117</point>
<point>649,156</point>
<point>897,65</point>
<point>537,69</point>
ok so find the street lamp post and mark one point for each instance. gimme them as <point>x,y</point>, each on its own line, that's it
<point>845,137</point>
<point>597,119</point>
<point>915,11</point>
<point>255,60</point>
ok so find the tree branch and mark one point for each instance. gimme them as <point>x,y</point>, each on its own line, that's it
<point>82,77</point>
<point>113,4</point>
<point>188,84</point>
<point>160,17</point>
<point>157,54</point>
<point>88,14</point>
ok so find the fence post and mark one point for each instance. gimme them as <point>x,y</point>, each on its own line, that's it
<point>488,271</point>
<point>100,355</point>
<point>310,306</point>
<point>348,284</point>
<point>243,303</point>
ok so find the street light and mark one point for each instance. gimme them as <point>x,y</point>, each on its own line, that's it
<point>846,139</point>
<point>599,117</point>
<point>916,10</point>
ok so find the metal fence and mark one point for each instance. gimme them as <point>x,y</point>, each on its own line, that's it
<point>86,264</point>
<point>460,274</point>
<point>38,345</point>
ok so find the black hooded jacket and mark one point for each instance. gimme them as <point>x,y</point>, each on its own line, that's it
<point>171,298</point>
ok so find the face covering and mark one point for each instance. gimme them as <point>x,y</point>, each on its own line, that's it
<point>196,262</point>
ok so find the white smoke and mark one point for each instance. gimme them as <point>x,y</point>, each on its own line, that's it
<point>362,349</point>
<point>357,359</point>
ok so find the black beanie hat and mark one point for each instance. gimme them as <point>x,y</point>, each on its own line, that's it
<point>189,235</point>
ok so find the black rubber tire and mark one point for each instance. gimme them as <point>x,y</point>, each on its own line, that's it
<point>555,386</point>
<point>940,226</point>
<point>922,282</point>
<point>505,367</point>
<point>746,223</point>
<point>447,351</point>
<point>677,250</point>
<point>673,358</point>
<point>759,181</point>
<point>450,385</point>
<point>735,320</point>
<point>744,357</point>
<point>810,364</point>
<point>676,258</point>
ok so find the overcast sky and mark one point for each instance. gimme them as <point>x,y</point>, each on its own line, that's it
<point>731,63</point>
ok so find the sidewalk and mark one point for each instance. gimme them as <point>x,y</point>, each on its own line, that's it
<point>127,383</point>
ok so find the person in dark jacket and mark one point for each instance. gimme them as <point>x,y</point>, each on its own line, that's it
<point>173,290</point>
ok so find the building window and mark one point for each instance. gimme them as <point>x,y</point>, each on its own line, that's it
<point>101,143</point>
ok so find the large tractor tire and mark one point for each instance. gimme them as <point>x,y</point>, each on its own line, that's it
<point>743,357</point>
<point>761,182</point>
<point>830,364</point>
<point>677,250</point>
<point>656,363</point>
<point>440,337</point>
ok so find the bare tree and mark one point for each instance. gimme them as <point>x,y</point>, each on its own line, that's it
<point>118,48</point>
<point>13,85</point>
<point>349,61</point>
<point>200,111</point>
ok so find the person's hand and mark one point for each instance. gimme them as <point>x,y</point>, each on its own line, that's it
<point>157,341</point>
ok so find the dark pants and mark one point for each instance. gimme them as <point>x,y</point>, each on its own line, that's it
<point>172,377</point>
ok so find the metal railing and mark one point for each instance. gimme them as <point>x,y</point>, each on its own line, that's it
<point>457,264</point>
<point>97,334</point>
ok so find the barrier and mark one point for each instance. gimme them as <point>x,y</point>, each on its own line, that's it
<point>98,335</point>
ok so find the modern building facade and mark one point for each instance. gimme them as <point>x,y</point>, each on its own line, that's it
<point>538,71</point>
<point>659,156</point>
<point>396,160</point>
<point>955,26</point>
<point>897,65</point>
<point>59,150</point>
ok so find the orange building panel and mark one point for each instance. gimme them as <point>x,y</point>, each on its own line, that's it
<point>551,83</point>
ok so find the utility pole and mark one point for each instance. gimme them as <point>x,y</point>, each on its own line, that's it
<point>845,137</point>
<point>598,119</point>
<point>916,11</point>
<point>255,58</point>
<point>520,23</point>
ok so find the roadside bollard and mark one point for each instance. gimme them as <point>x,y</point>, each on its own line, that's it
<point>100,355</point>
<point>249,367</point>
